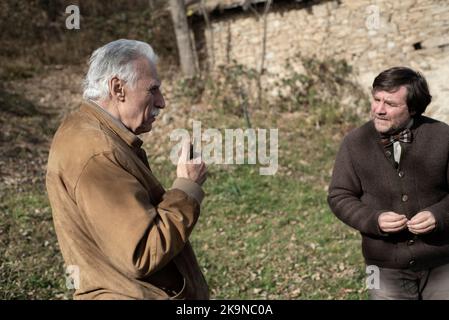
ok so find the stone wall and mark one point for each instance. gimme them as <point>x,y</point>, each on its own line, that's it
<point>371,35</point>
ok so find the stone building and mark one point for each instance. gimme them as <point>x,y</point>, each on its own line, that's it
<point>371,35</point>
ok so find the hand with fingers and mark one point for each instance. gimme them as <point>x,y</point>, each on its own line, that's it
<point>391,222</point>
<point>423,222</point>
<point>191,167</point>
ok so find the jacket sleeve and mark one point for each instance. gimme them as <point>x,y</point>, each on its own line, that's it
<point>137,237</point>
<point>344,195</point>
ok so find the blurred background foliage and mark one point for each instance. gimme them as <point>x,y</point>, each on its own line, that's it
<point>34,33</point>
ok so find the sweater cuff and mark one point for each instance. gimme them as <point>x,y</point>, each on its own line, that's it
<point>379,230</point>
<point>440,211</point>
<point>190,187</point>
<point>441,219</point>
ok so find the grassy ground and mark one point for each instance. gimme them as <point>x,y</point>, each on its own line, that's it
<point>274,237</point>
<point>30,262</point>
<point>258,237</point>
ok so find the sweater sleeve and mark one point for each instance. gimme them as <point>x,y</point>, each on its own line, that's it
<point>345,191</point>
<point>137,237</point>
<point>440,210</point>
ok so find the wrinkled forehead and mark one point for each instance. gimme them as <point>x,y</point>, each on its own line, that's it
<point>147,70</point>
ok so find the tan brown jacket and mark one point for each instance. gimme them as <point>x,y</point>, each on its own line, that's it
<point>116,225</point>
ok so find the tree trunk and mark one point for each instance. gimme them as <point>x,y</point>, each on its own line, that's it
<point>185,46</point>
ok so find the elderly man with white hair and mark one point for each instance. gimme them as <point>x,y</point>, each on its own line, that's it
<point>121,233</point>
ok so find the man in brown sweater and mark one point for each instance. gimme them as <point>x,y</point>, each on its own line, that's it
<point>391,183</point>
<point>121,234</point>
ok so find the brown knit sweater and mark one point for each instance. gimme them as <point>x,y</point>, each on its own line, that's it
<point>366,183</point>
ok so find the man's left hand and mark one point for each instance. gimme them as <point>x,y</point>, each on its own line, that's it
<point>423,222</point>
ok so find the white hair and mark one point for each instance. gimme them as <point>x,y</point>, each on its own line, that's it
<point>115,59</point>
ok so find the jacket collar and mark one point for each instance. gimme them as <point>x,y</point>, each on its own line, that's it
<point>112,123</point>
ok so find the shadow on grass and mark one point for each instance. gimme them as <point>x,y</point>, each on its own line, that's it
<point>23,122</point>
<point>16,105</point>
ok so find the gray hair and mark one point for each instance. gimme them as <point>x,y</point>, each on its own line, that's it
<point>115,59</point>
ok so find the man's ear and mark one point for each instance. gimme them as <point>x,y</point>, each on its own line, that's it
<point>116,89</point>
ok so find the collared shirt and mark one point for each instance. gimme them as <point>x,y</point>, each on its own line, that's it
<point>397,149</point>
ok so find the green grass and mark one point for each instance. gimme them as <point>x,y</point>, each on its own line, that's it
<point>31,265</point>
<point>274,237</point>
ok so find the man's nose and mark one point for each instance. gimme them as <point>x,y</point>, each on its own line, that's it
<point>380,107</point>
<point>160,101</point>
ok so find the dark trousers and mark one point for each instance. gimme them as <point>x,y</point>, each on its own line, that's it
<point>395,284</point>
